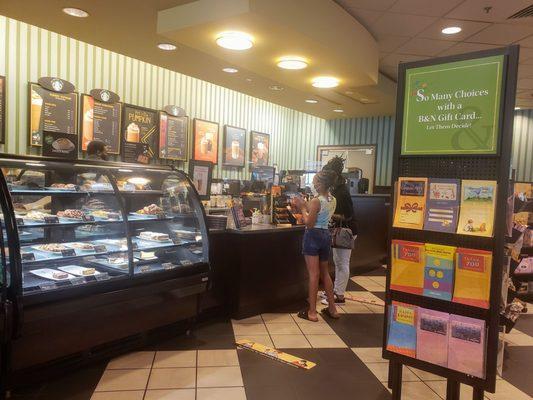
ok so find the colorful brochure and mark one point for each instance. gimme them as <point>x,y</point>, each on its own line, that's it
<point>275,354</point>
<point>402,329</point>
<point>466,346</point>
<point>407,267</point>
<point>472,277</point>
<point>410,203</point>
<point>442,205</point>
<point>478,202</point>
<point>438,271</point>
<point>432,336</point>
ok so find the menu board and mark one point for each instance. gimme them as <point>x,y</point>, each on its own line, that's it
<point>2,108</point>
<point>100,121</point>
<point>173,136</point>
<point>52,111</point>
<point>205,141</point>
<point>259,148</point>
<point>234,142</point>
<point>139,125</point>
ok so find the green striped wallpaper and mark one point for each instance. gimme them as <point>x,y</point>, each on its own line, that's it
<point>28,52</point>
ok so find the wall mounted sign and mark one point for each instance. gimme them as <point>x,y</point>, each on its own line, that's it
<point>205,140</point>
<point>200,173</point>
<point>259,148</point>
<point>173,136</point>
<point>60,145</point>
<point>139,125</point>
<point>2,109</point>
<point>233,146</point>
<point>53,107</point>
<point>453,108</point>
<point>100,119</point>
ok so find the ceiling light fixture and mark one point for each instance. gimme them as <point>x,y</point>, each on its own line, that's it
<point>451,30</point>
<point>234,40</point>
<point>249,79</point>
<point>291,62</point>
<point>338,110</point>
<point>325,82</point>
<point>311,101</point>
<point>276,88</point>
<point>75,12</point>
<point>230,70</point>
<point>517,108</point>
<point>166,46</point>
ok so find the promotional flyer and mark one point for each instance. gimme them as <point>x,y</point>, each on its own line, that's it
<point>140,125</point>
<point>205,141</point>
<point>234,142</point>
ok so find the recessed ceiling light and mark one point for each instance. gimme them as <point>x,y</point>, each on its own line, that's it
<point>235,40</point>
<point>249,79</point>
<point>338,110</point>
<point>276,88</point>
<point>230,70</point>
<point>517,108</point>
<point>451,30</point>
<point>325,82</point>
<point>311,101</point>
<point>75,12</point>
<point>291,62</point>
<point>166,46</point>
<point>349,92</point>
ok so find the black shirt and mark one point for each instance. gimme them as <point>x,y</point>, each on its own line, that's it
<point>344,201</point>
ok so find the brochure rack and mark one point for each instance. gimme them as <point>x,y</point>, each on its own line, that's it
<point>479,166</point>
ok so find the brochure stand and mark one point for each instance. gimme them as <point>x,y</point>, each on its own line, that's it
<point>465,163</point>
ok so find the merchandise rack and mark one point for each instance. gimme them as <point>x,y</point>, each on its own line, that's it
<point>480,167</point>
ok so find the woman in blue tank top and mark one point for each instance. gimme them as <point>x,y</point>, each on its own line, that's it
<point>317,243</point>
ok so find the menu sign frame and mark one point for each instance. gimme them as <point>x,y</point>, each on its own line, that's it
<point>201,175</point>
<point>111,138</point>
<point>234,146</point>
<point>140,131</point>
<point>2,109</point>
<point>173,144</point>
<point>259,145</point>
<point>205,140</point>
<point>41,96</point>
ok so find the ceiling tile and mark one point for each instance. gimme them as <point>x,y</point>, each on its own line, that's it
<point>468,29</point>
<point>475,9</point>
<point>401,24</point>
<point>501,34</point>
<point>379,5</point>
<point>424,7</point>
<point>526,55</point>
<point>525,71</point>
<point>464,47</point>
<point>524,94</point>
<point>389,43</point>
<point>525,83</point>
<point>527,42</point>
<point>390,71</point>
<point>425,47</point>
<point>392,60</point>
<point>365,17</point>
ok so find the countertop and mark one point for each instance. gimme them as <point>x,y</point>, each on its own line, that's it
<point>265,228</point>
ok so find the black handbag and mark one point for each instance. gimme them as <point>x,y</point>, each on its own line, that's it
<point>343,237</point>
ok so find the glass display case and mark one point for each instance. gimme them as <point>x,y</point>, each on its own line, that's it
<point>80,224</point>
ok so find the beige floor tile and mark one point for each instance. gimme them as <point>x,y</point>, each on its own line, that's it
<point>275,318</point>
<point>506,391</point>
<point>172,378</point>
<point>362,295</point>
<point>123,395</point>
<point>418,391</point>
<point>256,319</point>
<point>426,376</point>
<point>376,309</point>
<point>217,358</point>
<point>262,339</point>
<point>249,329</point>
<point>139,359</point>
<point>369,354</point>
<point>372,286</point>
<point>290,342</point>
<point>123,379</point>
<point>175,359</point>
<point>219,377</point>
<point>301,321</point>
<point>351,307</point>
<point>325,341</point>
<point>440,388</point>
<point>380,280</point>
<point>170,394</point>
<point>517,338</point>
<point>381,371</point>
<point>283,328</point>
<point>236,393</point>
<point>318,328</point>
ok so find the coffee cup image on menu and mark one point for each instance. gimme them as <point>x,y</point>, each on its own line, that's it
<point>36,109</point>
<point>260,154</point>
<point>63,145</point>
<point>235,149</point>
<point>206,143</point>
<point>133,133</point>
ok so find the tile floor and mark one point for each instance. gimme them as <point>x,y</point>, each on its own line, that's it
<point>207,366</point>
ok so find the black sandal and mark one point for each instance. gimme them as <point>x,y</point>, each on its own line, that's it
<point>328,313</point>
<point>304,314</point>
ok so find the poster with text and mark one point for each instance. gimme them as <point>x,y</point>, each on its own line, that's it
<point>205,141</point>
<point>453,108</point>
<point>52,112</point>
<point>140,125</point>
<point>234,145</point>
<point>200,173</point>
<point>173,137</point>
<point>259,148</point>
<point>100,121</point>
<point>2,109</point>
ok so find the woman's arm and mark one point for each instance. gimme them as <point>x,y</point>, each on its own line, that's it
<point>310,212</point>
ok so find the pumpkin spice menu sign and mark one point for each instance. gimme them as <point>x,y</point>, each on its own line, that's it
<point>139,130</point>
<point>53,108</point>
<point>101,115</point>
<point>2,108</point>
<point>173,138</point>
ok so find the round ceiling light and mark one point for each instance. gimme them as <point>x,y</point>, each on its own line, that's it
<point>290,62</point>
<point>166,46</point>
<point>311,101</point>
<point>338,110</point>
<point>235,40</point>
<point>325,82</point>
<point>517,108</point>
<point>230,70</point>
<point>451,30</point>
<point>75,12</point>
<point>276,88</point>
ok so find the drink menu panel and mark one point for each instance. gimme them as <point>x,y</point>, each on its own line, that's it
<point>140,125</point>
<point>173,137</point>
<point>101,121</point>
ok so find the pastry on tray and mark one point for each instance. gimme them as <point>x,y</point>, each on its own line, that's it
<point>81,246</point>
<point>160,237</point>
<point>63,186</point>
<point>36,215</point>
<point>51,247</point>
<point>71,213</point>
<point>152,209</point>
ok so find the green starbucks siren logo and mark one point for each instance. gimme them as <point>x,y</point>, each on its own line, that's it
<point>453,108</point>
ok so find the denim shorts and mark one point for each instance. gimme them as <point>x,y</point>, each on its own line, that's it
<point>317,242</point>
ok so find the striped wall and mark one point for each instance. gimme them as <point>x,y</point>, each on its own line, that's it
<point>28,52</point>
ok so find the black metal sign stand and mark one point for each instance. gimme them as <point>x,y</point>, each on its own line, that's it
<point>479,167</point>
